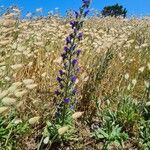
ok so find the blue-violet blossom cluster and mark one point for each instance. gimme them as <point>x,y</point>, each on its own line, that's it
<point>68,75</point>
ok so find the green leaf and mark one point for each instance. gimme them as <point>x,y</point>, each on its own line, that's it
<point>103,133</point>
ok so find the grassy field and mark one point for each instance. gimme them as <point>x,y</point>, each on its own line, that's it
<point>113,98</point>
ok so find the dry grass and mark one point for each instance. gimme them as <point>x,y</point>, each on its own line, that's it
<point>115,59</point>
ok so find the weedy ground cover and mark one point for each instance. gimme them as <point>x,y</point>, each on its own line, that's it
<point>94,93</point>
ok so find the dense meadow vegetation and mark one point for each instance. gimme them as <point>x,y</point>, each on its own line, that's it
<point>94,95</point>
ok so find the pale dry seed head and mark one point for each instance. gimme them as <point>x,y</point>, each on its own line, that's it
<point>62,130</point>
<point>7,78</point>
<point>46,140</point>
<point>31,86</point>
<point>17,66</point>
<point>144,45</point>
<point>8,101</point>
<point>4,42</point>
<point>30,64</point>
<point>141,69</point>
<point>17,121</point>
<point>77,115</point>
<point>147,84</point>
<point>28,81</point>
<point>8,23</point>
<point>3,109</point>
<point>148,65</point>
<point>20,93</point>
<point>12,89</point>
<point>43,74</point>
<point>126,76</point>
<point>19,104</point>
<point>34,120</point>
<point>17,84</point>
<point>9,16</point>
<point>134,81</point>
<point>58,60</point>
<point>3,94</point>
<point>148,104</point>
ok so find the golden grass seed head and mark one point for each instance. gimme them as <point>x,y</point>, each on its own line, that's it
<point>148,65</point>
<point>62,130</point>
<point>147,84</point>
<point>7,78</point>
<point>141,69</point>
<point>17,84</point>
<point>12,89</point>
<point>28,81</point>
<point>31,86</point>
<point>17,121</point>
<point>34,120</point>
<point>77,115</point>
<point>46,140</point>
<point>127,76</point>
<point>3,94</point>
<point>148,103</point>
<point>20,93</point>
<point>9,23</point>
<point>4,42</point>
<point>17,66</point>
<point>19,104</point>
<point>8,101</point>
<point>3,109</point>
<point>134,81</point>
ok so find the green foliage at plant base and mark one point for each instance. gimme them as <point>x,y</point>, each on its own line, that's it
<point>11,130</point>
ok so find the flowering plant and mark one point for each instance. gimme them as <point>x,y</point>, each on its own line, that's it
<point>67,78</point>
<point>68,75</point>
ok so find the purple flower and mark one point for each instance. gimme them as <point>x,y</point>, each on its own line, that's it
<point>73,79</point>
<point>80,36</point>
<point>74,62</point>
<point>78,52</point>
<point>68,40</point>
<point>66,49</point>
<point>67,100</point>
<point>67,76</point>
<point>64,56</point>
<point>86,3</point>
<point>72,107</point>
<point>73,24</point>
<point>78,69</point>
<point>65,65</point>
<point>76,14</point>
<point>86,13</point>
<point>71,36</point>
<point>61,86</point>
<point>74,46</point>
<point>75,30</point>
<point>74,91</point>
<point>57,92</point>
<point>61,72</point>
<point>59,79</point>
